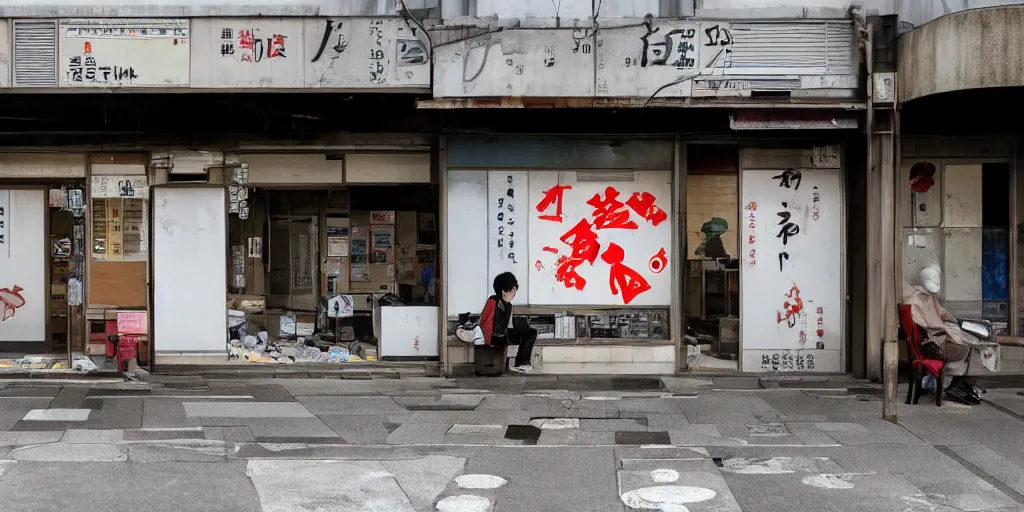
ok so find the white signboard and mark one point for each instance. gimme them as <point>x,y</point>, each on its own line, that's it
<point>791,279</point>
<point>189,274</point>
<point>508,212</point>
<point>129,187</point>
<point>600,238</point>
<point>23,256</point>
<point>248,52</point>
<point>408,331</point>
<point>124,52</point>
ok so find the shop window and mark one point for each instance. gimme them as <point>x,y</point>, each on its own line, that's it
<point>118,229</point>
<point>712,299</point>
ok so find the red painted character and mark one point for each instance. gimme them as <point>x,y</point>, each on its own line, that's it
<point>793,308</point>
<point>621,277</point>
<point>553,196</point>
<point>610,212</point>
<point>643,205</point>
<point>585,247</point>
<point>11,300</point>
<point>277,46</point>
<point>245,39</point>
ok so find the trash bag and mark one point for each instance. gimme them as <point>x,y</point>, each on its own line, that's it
<point>390,299</point>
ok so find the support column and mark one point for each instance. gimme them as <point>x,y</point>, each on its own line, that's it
<point>888,275</point>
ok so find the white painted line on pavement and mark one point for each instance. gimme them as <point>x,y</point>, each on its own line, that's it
<point>169,429</point>
<point>57,415</point>
<point>176,397</point>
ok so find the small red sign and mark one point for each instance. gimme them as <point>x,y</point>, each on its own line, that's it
<point>132,322</point>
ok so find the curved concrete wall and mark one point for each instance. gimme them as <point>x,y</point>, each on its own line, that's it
<point>967,50</point>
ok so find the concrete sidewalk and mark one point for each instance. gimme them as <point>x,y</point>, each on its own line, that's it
<point>509,444</point>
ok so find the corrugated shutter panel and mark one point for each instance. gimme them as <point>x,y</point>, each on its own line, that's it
<point>808,48</point>
<point>35,53</point>
<point>841,49</point>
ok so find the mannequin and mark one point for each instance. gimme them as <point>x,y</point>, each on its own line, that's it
<point>945,339</point>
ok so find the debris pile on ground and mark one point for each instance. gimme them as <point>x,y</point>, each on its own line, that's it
<point>298,343</point>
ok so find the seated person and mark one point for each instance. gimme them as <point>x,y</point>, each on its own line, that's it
<point>498,327</point>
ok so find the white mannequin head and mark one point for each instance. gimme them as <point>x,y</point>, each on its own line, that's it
<point>931,278</point>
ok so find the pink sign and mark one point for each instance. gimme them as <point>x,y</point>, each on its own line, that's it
<point>132,322</point>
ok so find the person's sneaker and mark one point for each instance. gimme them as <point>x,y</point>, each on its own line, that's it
<point>526,368</point>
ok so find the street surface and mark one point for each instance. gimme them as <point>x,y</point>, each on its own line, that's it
<point>515,444</point>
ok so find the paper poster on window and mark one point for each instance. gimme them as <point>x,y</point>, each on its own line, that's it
<point>337,246</point>
<point>360,272</point>
<point>382,236</point>
<point>382,218</point>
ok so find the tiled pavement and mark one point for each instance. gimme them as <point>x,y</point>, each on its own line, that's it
<point>510,444</point>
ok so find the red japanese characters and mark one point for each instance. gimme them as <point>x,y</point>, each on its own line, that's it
<point>608,212</point>
<point>792,306</point>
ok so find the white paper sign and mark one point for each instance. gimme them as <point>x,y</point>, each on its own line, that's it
<point>112,186</point>
<point>507,228</point>
<point>340,306</point>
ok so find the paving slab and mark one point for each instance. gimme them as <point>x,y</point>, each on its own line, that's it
<point>674,485</point>
<point>419,433</point>
<point>339,486</point>
<point>193,486</point>
<point>229,434</point>
<point>350,405</point>
<point>176,452</point>
<point>57,415</point>
<point>93,436</point>
<point>67,452</point>
<point>166,412</point>
<point>424,479</point>
<point>538,480</point>
<point>359,429</point>
<point>246,410</point>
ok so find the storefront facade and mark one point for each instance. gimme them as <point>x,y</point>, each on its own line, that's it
<point>589,228</point>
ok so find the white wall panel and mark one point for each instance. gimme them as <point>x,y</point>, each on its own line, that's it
<point>189,270</point>
<point>248,52</point>
<point>465,274</point>
<point>791,288</point>
<point>23,255</point>
<point>387,168</point>
<point>365,53</point>
<point>124,52</point>
<point>278,169</point>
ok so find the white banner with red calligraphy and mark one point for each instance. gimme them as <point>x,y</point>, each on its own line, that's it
<point>791,277</point>
<point>600,240</point>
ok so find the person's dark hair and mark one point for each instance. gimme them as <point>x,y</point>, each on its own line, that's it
<point>505,282</point>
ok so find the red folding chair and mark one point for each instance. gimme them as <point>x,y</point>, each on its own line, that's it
<point>918,362</point>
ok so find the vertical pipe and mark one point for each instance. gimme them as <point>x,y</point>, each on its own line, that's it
<point>890,286</point>
<point>678,304</point>
<point>873,333</point>
<point>441,284</point>
<point>1014,274</point>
